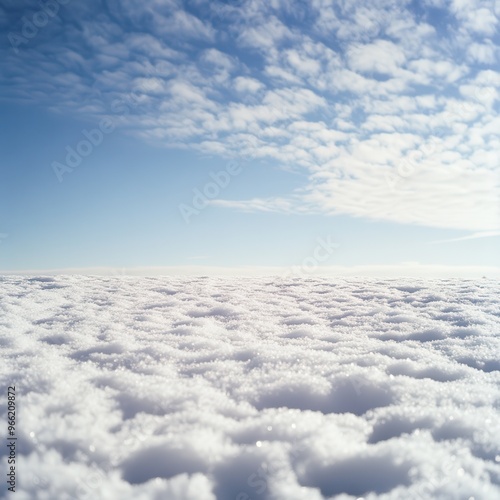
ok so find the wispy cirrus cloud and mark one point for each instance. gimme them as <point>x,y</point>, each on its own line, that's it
<point>473,236</point>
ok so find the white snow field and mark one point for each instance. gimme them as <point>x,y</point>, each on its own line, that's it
<point>252,388</point>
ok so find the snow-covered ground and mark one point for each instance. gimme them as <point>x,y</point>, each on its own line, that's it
<point>253,388</point>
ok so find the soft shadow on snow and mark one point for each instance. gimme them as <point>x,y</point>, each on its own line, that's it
<point>162,460</point>
<point>357,476</point>
<point>354,395</point>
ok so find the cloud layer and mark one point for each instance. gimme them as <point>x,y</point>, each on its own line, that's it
<point>390,109</point>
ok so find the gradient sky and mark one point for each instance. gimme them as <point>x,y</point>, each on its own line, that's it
<point>373,124</point>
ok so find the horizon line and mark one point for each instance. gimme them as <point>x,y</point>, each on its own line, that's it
<point>404,269</point>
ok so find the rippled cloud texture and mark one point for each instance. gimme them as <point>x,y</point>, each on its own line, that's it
<point>390,109</point>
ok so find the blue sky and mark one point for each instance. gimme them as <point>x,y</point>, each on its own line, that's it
<point>370,124</point>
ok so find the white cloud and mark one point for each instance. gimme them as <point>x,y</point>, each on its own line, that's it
<point>149,45</point>
<point>264,36</point>
<point>149,85</point>
<point>245,84</point>
<point>439,69</point>
<point>282,75</point>
<point>185,92</point>
<point>482,21</point>
<point>183,24</point>
<point>380,57</point>
<point>482,52</point>
<point>218,59</point>
<point>302,64</point>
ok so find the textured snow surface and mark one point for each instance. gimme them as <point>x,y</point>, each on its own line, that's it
<point>254,388</point>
